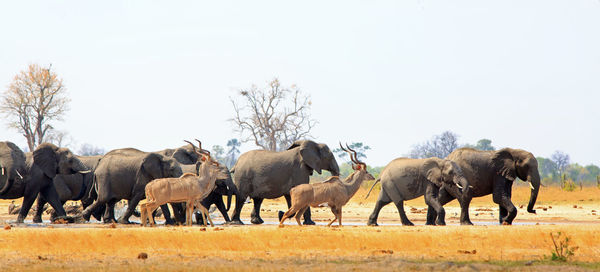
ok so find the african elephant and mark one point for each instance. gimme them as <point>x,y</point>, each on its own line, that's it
<point>262,174</point>
<point>404,179</point>
<point>493,172</point>
<point>123,174</point>
<point>74,187</point>
<point>26,175</point>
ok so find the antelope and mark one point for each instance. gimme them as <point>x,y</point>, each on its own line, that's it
<point>332,192</point>
<point>189,188</point>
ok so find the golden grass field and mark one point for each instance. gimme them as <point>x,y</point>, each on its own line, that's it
<point>523,246</point>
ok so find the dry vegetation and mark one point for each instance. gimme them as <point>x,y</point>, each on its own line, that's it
<point>267,247</point>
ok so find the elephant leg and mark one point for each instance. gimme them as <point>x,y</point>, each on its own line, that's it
<point>28,199</point>
<point>239,204</point>
<point>431,199</point>
<point>133,202</point>
<point>502,198</point>
<point>221,207</point>
<point>255,215</point>
<point>307,218</point>
<point>383,200</point>
<point>50,194</point>
<point>40,202</point>
<point>167,215</point>
<point>109,211</point>
<point>464,210</point>
<point>403,218</point>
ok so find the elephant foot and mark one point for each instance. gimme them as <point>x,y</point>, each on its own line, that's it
<point>136,213</point>
<point>123,221</point>
<point>256,220</point>
<point>440,223</point>
<point>466,223</point>
<point>63,219</point>
<point>20,219</point>
<point>308,222</point>
<point>407,223</point>
<point>109,220</point>
<point>235,222</point>
<point>430,223</point>
<point>38,219</point>
<point>372,223</point>
<point>170,222</point>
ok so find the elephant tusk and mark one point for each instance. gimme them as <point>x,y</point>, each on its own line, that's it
<point>19,174</point>
<point>471,186</point>
<point>3,171</point>
<point>531,185</point>
<point>85,172</point>
<point>458,185</point>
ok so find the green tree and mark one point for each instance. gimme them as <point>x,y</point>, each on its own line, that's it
<point>233,152</point>
<point>217,153</point>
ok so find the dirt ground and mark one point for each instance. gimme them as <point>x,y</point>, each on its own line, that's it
<point>525,246</point>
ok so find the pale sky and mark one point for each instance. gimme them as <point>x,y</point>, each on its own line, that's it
<point>525,74</point>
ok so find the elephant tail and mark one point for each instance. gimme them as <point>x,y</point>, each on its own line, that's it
<point>94,189</point>
<point>376,181</point>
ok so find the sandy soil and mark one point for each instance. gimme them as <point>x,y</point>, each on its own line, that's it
<point>525,246</point>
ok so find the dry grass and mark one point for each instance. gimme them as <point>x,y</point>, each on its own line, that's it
<point>114,246</point>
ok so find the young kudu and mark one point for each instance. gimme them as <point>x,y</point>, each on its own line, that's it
<point>189,188</point>
<point>333,191</point>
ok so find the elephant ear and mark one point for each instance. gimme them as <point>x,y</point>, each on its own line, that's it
<point>311,156</point>
<point>504,164</point>
<point>296,144</point>
<point>182,155</point>
<point>433,172</point>
<point>151,167</point>
<point>46,159</point>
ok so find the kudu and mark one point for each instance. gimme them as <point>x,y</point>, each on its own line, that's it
<point>189,188</point>
<point>333,192</point>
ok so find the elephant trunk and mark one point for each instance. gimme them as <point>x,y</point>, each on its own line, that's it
<point>462,183</point>
<point>334,168</point>
<point>231,190</point>
<point>534,181</point>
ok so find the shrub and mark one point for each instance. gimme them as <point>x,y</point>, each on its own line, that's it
<point>562,250</point>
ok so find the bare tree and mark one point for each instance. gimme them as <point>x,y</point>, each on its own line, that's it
<point>59,138</point>
<point>273,117</point>
<point>90,150</point>
<point>34,99</point>
<point>439,146</point>
<point>562,160</point>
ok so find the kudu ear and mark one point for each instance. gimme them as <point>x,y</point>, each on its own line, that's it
<point>432,171</point>
<point>504,163</point>
<point>45,157</point>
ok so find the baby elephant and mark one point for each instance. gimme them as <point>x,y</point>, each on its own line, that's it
<point>406,179</point>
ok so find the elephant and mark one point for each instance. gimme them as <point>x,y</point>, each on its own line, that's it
<point>26,175</point>
<point>74,187</point>
<point>404,179</point>
<point>262,174</point>
<point>189,162</point>
<point>493,172</point>
<point>123,174</point>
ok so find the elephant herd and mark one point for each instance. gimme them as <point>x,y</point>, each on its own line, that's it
<point>55,175</point>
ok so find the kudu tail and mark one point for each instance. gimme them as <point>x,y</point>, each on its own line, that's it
<point>376,181</point>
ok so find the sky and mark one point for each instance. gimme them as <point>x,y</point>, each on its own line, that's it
<point>390,74</point>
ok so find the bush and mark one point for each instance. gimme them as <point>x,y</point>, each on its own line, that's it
<point>562,250</point>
